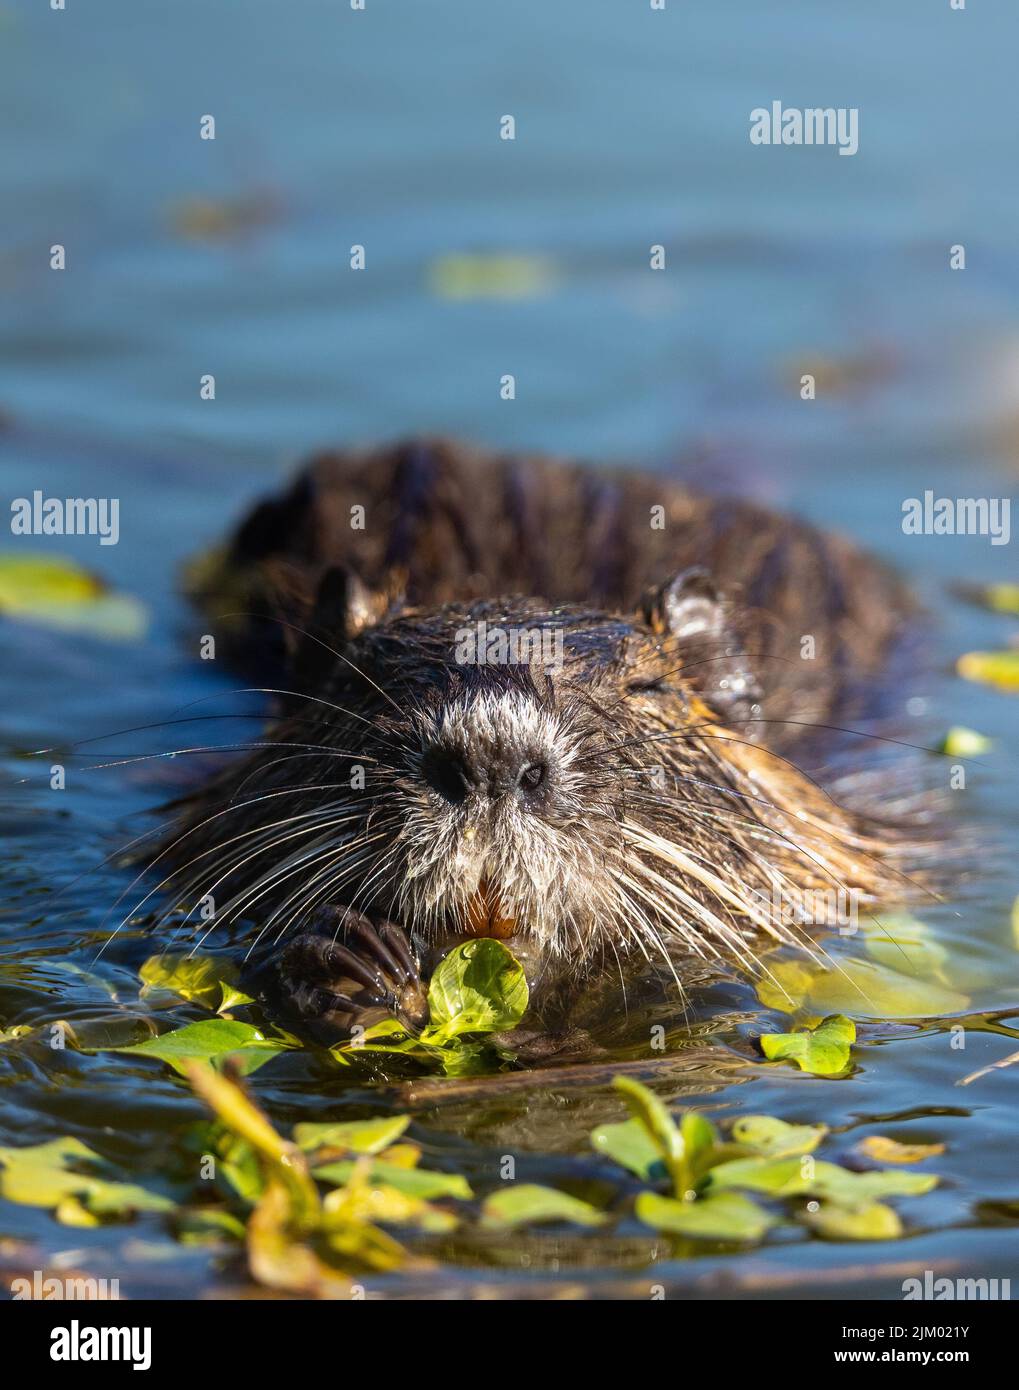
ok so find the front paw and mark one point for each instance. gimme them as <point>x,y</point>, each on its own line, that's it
<point>345,970</point>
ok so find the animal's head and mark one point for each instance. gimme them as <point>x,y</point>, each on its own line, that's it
<point>582,783</point>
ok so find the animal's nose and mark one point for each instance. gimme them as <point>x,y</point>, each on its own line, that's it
<point>456,778</point>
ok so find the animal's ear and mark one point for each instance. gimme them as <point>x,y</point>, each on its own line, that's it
<point>342,608</point>
<point>710,654</point>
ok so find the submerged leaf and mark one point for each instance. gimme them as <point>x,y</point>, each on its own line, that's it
<point>719,1216</point>
<point>27,581</point>
<point>530,1204</point>
<point>901,943</point>
<point>860,988</point>
<point>823,1050</point>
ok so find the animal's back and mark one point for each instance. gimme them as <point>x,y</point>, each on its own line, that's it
<point>426,522</point>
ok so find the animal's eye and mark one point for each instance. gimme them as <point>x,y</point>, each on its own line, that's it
<point>649,687</point>
<point>532,777</point>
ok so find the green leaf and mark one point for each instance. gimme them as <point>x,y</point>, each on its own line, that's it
<point>71,1211</point>
<point>699,1139</point>
<point>356,1136</point>
<point>631,1145</point>
<point>960,742</point>
<point>719,1216</point>
<point>479,987</point>
<point>527,1203</point>
<point>662,1129</point>
<point>58,593</point>
<point>773,1138</point>
<point>823,1050</point>
<point>46,1175</point>
<point>871,1221</point>
<point>362,1203</point>
<point>805,1176</point>
<point>412,1182</point>
<point>232,997</point>
<point>458,276</point>
<point>27,581</point>
<point>16,1031</point>
<point>212,1040</point>
<point>1000,669</point>
<point>1000,598</point>
<point>207,1225</point>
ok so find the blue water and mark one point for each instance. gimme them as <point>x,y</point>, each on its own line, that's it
<point>380,128</point>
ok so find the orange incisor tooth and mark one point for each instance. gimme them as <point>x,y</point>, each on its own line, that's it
<point>486,916</point>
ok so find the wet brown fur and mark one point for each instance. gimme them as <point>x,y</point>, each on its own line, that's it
<point>691,807</point>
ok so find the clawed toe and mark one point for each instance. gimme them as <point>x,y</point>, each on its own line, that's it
<point>345,970</point>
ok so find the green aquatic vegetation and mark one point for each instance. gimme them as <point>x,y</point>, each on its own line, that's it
<point>1000,669</point>
<point>884,1150</point>
<point>630,1144</point>
<point>794,1177</point>
<point>859,988</point>
<point>999,598</point>
<point>55,592</point>
<point>205,980</point>
<point>960,742</point>
<point>460,276</point>
<point>717,1216</point>
<point>682,1148</point>
<point>74,1181</point>
<point>765,1155</point>
<point>352,1136</point>
<point>412,1181</point>
<point>902,943</point>
<point>478,989</point>
<point>526,1203</point>
<point>773,1138</point>
<point>215,1040</point>
<point>871,1221</point>
<point>823,1050</point>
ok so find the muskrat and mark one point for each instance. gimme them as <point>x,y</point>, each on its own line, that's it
<point>633,779</point>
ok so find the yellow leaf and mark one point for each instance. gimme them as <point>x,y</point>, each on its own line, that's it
<point>884,1150</point>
